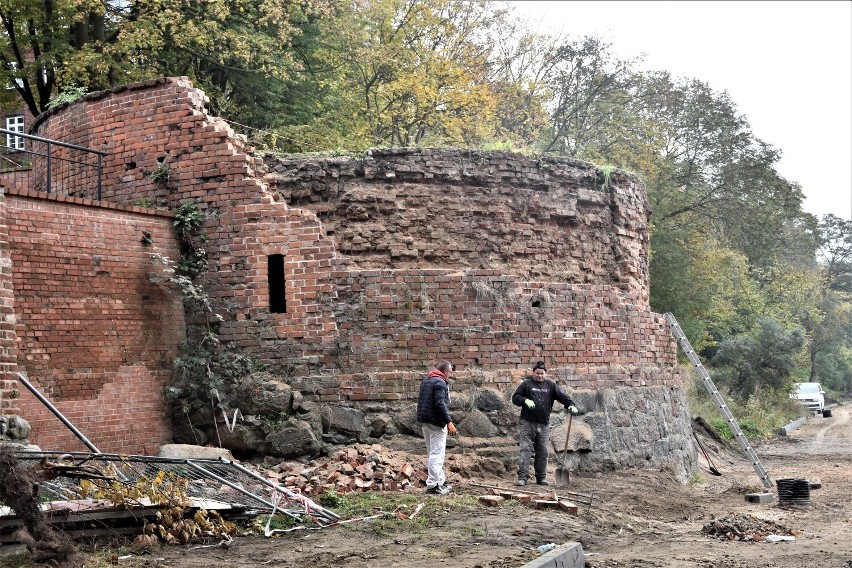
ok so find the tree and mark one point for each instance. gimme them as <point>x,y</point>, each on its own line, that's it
<point>411,71</point>
<point>836,252</point>
<point>762,358</point>
<point>588,97</point>
<point>50,44</point>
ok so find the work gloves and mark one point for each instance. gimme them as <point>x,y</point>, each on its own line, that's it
<point>529,403</point>
<point>451,429</point>
<point>573,410</point>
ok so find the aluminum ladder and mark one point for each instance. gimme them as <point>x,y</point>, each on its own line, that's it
<point>720,402</point>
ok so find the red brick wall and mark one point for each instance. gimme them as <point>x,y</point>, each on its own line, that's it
<point>8,338</point>
<point>143,126</point>
<point>94,334</point>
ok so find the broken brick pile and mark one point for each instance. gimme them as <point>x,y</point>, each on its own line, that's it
<point>359,468</point>
<point>744,527</point>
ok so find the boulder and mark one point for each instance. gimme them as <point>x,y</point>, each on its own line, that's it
<point>380,425</point>
<point>292,440</point>
<point>489,399</point>
<point>246,437</point>
<point>13,428</point>
<point>406,422</point>
<point>262,395</point>
<point>581,437</point>
<point>340,419</point>
<point>477,425</point>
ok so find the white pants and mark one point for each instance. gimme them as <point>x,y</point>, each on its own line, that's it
<point>436,446</point>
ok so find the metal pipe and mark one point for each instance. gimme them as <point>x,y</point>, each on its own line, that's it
<point>56,412</point>
<point>100,171</point>
<point>59,158</point>
<point>236,487</point>
<point>49,167</point>
<point>310,502</point>
<point>49,141</point>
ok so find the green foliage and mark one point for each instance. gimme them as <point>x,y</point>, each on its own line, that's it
<point>200,374</point>
<point>100,44</point>
<point>760,415</point>
<point>408,72</point>
<point>189,221</point>
<point>161,175</point>
<point>761,358</point>
<point>68,95</point>
<point>143,202</point>
<point>605,173</point>
<point>188,217</point>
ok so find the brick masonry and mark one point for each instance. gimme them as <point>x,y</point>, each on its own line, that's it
<point>392,261</point>
<point>92,332</point>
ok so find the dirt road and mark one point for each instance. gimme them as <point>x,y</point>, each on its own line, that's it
<point>640,518</point>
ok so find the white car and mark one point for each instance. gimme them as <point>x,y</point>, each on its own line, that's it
<point>810,395</point>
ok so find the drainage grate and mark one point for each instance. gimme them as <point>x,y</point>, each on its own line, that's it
<point>793,492</point>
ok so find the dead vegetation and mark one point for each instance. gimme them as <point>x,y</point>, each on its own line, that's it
<point>19,490</point>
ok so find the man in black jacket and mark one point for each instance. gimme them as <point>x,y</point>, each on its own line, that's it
<point>433,412</point>
<point>535,396</point>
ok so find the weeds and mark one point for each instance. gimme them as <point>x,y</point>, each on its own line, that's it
<point>759,417</point>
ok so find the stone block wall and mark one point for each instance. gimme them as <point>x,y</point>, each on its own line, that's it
<point>94,334</point>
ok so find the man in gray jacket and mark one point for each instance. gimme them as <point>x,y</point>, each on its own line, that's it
<point>535,396</point>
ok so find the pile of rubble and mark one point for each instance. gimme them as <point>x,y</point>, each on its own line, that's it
<point>358,468</point>
<point>744,527</point>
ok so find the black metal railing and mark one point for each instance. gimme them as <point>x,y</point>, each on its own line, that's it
<point>54,166</point>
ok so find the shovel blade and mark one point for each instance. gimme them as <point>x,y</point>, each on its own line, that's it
<point>562,477</point>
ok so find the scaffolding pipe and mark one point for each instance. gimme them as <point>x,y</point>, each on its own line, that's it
<point>58,414</point>
<point>309,502</point>
<point>235,487</point>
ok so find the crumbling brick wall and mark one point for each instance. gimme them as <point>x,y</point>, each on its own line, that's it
<point>94,333</point>
<point>400,258</point>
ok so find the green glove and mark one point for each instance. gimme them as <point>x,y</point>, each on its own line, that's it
<point>573,410</point>
<point>529,403</point>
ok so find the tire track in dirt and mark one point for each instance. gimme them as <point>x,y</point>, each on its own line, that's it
<point>840,419</point>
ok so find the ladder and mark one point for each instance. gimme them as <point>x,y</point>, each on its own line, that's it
<point>714,392</point>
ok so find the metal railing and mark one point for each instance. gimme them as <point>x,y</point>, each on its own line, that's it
<point>55,167</point>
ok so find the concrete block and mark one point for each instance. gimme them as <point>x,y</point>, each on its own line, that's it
<point>760,497</point>
<point>568,555</point>
<point>785,430</point>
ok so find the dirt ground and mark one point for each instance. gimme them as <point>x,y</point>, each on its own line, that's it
<point>638,518</point>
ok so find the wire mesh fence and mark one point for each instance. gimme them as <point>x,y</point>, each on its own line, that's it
<point>209,483</point>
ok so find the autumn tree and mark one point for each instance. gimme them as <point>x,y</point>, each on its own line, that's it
<point>409,72</point>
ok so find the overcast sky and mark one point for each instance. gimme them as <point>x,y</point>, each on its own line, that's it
<point>786,64</point>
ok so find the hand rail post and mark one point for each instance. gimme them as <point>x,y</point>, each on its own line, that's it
<point>49,167</point>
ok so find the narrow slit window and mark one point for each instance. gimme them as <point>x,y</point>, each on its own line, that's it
<point>277,303</point>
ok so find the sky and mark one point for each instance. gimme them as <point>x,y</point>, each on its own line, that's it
<point>787,65</point>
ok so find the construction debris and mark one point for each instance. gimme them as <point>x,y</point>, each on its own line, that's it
<point>543,500</point>
<point>359,468</point>
<point>745,528</point>
<point>174,500</point>
<point>491,500</point>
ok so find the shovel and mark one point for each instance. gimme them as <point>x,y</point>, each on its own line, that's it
<point>562,475</point>
<point>710,465</point>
